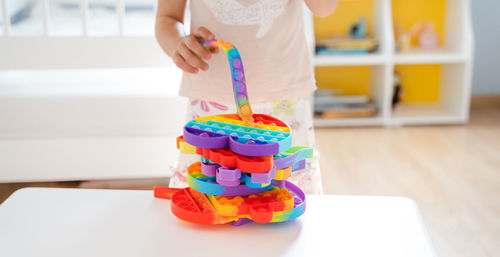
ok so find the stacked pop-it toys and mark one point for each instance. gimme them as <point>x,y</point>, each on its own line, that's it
<point>245,160</point>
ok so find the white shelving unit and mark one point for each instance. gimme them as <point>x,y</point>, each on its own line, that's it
<point>455,58</point>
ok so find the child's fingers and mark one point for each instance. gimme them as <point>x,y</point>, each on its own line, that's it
<point>191,58</point>
<point>205,34</point>
<point>195,46</point>
<point>213,49</point>
<point>181,63</point>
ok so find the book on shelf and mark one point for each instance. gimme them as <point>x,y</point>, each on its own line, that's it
<point>320,99</point>
<point>346,45</point>
<point>327,96</point>
<point>332,111</point>
<point>328,105</point>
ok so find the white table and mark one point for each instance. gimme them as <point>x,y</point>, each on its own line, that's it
<point>122,223</point>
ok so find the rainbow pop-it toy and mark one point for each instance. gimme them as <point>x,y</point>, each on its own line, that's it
<point>245,161</point>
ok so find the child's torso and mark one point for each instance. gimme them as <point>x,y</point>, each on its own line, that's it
<point>269,35</point>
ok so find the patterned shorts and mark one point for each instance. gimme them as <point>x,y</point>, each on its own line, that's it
<point>294,112</point>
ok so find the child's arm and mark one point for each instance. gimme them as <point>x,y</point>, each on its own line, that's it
<point>187,52</point>
<point>321,8</point>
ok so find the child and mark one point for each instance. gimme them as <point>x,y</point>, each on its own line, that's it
<point>269,34</point>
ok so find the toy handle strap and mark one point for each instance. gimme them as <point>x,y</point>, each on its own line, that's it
<point>238,78</point>
<point>164,192</point>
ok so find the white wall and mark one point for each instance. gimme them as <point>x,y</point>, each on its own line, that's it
<point>486,20</point>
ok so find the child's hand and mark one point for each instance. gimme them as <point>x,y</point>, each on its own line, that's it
<point>190,55</point>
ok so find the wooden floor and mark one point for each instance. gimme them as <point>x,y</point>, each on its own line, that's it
<point>452,172</point>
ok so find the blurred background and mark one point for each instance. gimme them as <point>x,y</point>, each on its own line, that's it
<point>408,104</point>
